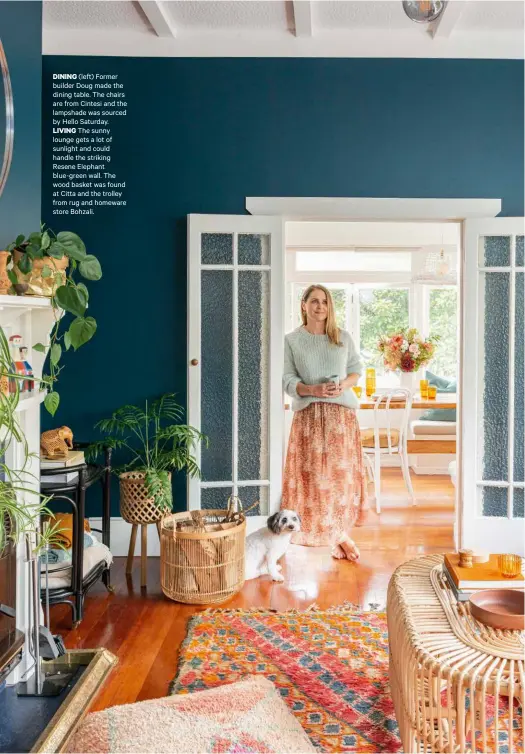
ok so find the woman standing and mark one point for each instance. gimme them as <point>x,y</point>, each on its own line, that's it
<point>324,477</point>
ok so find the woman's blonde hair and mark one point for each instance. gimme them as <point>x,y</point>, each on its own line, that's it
<point>331,325</point>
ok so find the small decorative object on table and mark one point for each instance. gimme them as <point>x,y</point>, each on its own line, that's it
<point>55,443</point>
<point>145,481</point>
<point>509,565</point>
<point>370,382</point>
<point>502,609</point>
<point>465,559</point>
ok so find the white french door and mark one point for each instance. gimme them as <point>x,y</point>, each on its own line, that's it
<point>493,392</point>
<point>235,354</point>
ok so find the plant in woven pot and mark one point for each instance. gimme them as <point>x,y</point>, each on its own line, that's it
<point>157,443</point>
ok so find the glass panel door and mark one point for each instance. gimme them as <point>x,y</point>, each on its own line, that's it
<point>493,386</point>
<point>235,321</point>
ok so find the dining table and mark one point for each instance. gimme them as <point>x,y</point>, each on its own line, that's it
<point>423,444</point>
<point>442,400</point>
<point>418,445</point>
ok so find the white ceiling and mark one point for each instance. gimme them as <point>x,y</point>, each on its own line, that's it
<point>281,28</point>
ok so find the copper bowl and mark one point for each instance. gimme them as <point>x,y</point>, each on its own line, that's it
<point>500,608</point>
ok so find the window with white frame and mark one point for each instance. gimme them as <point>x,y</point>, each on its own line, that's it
<point>442,307</point>
<point>374,295</point>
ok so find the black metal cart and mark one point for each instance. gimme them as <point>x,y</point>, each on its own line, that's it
<point>74,495</point>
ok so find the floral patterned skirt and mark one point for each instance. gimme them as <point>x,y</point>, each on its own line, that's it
<point>324,477</point>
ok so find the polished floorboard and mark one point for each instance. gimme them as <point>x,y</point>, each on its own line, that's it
<point>145,630</point>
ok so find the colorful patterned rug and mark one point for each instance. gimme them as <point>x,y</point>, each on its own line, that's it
<point>330,666</point>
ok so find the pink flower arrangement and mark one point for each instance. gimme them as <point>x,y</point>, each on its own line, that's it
<point>407,350</point>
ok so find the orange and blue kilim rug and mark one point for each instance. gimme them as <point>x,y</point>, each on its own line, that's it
<point>330,666</point>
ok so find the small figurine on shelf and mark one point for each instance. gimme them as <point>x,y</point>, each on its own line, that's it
<point>21,366</point>
<point>15,341</point>
<point>56,443</point>
<point>24,367</point>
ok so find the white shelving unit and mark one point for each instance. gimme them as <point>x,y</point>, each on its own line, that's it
<point>32,318</point>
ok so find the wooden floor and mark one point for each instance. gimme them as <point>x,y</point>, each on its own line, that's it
<point>145,630</point>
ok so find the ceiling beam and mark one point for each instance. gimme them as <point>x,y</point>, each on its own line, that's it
<point>156,13</point>
<point>302,11</point>
<point>443,26</point>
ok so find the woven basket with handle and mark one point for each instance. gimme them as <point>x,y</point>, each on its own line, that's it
<point>202,554</point>
<point>135,505</point>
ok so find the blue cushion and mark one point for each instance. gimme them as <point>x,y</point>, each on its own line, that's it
<point>443,386</point>
<point>442,383</point>
<point>439,415</point>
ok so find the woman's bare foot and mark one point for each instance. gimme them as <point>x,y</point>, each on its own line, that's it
<point>338,553</point>
<point>350,549</point>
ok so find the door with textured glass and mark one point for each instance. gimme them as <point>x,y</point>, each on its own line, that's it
<point>235,351</point>
<point>493,392</point>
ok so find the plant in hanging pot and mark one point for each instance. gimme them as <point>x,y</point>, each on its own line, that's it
<point>45,264</point>
<point>158,444</point>
<point>406,351</point>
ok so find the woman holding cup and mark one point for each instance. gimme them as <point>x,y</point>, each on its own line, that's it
<point>324,478</point>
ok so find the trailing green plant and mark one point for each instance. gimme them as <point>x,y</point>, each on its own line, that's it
<point>70,295</point>
<point>20,504</point>
<point>156,442</point>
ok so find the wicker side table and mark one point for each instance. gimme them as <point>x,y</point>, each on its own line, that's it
<point>453,680</point>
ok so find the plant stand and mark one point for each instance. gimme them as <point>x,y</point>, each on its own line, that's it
<point>138,510</point>
<point>143,551</point>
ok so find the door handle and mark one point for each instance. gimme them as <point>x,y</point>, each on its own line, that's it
<point>194,362</point>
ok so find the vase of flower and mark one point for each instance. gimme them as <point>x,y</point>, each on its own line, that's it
<point>408,380</point>
<point>406,352</point>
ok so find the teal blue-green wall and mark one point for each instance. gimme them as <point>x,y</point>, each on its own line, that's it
<point>202,134</point>
<point>21,35</point>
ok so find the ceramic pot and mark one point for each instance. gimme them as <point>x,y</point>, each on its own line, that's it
<point>408,380</point>
<point>5,283</point>
<point>38,285</point>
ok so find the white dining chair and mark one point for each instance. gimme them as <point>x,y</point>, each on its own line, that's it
<point>383,439</point>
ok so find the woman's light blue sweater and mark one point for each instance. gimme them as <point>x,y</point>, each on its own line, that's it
<point>312,359</point>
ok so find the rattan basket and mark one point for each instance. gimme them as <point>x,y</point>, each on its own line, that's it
<point>135,505</point>
<point>202,556</point>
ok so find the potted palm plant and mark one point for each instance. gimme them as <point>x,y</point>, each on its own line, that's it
<point>157,443</point>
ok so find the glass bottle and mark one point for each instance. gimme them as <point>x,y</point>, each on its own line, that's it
<point>370,381</point>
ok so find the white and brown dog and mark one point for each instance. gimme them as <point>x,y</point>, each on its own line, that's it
<point>265,547</point>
